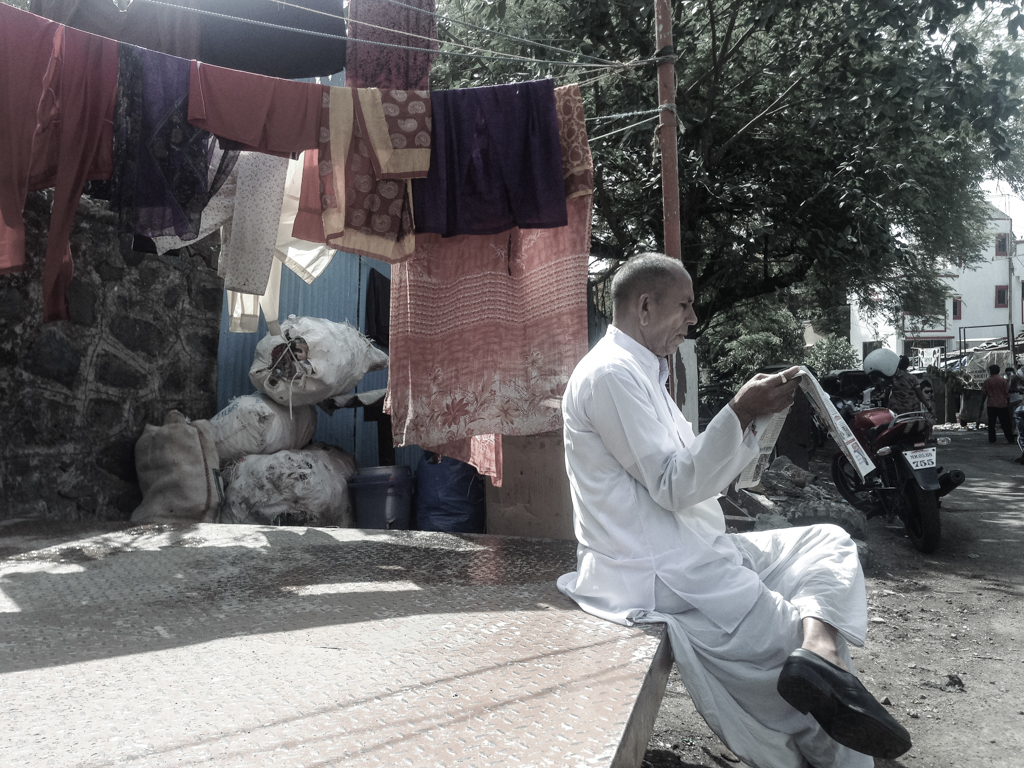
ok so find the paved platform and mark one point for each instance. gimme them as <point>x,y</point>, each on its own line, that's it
<point>215,645</point>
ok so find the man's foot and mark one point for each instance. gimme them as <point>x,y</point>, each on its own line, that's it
<point>841,704</point>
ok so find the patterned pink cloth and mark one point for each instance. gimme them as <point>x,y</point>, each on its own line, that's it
<point>486,329</point>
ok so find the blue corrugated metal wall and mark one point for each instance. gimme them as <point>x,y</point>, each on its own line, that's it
<point>339,294</point>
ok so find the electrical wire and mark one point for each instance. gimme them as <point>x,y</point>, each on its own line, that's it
<point>369,25</point>
<point>495,57</point>
<point>496,32</point>
<point>626,128</point>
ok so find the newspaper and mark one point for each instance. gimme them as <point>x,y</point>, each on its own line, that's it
<point>767,429</point>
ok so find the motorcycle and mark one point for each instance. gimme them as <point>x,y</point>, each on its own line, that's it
<point>907,482</point>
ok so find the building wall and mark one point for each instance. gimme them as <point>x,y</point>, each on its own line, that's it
<point>976,289</point>
<point>76,394</point>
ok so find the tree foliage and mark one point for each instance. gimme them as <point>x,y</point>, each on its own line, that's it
<point>833,353</point>
<point>747,337</point>
<point>835,145</point>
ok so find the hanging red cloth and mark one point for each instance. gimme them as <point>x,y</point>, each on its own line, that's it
<point>264,114</point>
<point>57,97</point>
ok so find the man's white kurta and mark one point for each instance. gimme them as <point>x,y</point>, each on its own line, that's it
<point>653,549</point>
<point>645,490</point>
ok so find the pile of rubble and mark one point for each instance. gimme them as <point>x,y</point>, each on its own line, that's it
<point>790,496</point>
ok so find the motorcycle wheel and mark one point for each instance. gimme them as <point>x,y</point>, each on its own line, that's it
<point>850,486</point>
<point>920,515</point>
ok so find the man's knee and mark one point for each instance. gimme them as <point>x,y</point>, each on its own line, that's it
<point>833,532</point>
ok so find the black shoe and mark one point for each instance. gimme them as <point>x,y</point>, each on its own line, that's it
<point>842,706</point>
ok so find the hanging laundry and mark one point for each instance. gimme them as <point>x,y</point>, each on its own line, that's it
<point>217,212</point>
<point>307,260</point>
<point>261,114</point>
<point>495,162</point>
<point>309,217</point>
<point>577,162</point>
<point>411,24</point>
<point>377,141</point>
<point>248,240</point>
<point>378,308</point>
<point>161,180</point>
<point>172,31</point>
<point>507,315</point>
<point>57,97</point>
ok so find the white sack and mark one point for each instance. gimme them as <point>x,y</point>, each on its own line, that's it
<point>256,424</point>
<point>305,487</point>
<point>311,360</point>
<point>178,472</point>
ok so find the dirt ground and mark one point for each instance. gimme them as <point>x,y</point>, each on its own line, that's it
<point>945,630</point>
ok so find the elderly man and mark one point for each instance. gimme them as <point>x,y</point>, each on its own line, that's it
<point>759,623</point>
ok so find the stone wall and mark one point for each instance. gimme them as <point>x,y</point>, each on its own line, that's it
<point>141,340</point>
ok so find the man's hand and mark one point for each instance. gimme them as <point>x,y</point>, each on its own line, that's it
<point>765,394</point>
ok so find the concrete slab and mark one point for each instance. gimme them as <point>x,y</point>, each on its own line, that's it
<point>241,645</point>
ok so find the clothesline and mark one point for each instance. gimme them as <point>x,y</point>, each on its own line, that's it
<point>419,49</point>
<point>441,17</point>
<point>656,114</point>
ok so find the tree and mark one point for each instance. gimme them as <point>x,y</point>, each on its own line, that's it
<point>745,338</point>
<point>833,353</point>
<point>834,145</point>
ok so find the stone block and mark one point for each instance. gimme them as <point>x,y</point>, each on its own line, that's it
<point>172,296</point>
<point>210,298</point>
<point>115,372</point>
<point>176,381</point>
<point>52,356</point>
<point>205,343</point>
<point>81,302</point>
<point>108,271</point>
<point>105,413</point>
<point>12,306</point>
<point>138,335</point>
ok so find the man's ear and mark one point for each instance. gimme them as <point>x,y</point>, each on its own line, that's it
<point>643,307</point>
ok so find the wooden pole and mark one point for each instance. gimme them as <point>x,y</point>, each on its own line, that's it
<point>667,131</point>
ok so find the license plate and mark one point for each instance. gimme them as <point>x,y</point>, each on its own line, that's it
<point>921,459</point>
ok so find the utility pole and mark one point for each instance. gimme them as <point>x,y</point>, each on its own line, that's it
<point>684,369</point>
<point>667,129</point>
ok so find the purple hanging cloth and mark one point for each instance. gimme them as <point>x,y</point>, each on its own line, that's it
<point>161,181</point>
<point>495,163</point>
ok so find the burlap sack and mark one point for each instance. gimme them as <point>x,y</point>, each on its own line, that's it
<point>178,472</point>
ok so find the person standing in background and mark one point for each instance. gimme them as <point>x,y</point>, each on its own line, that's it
<point>997,401</point>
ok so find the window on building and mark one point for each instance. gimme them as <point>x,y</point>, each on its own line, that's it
<point>868,347</point>
<point>958,308</point>
<point>1002,244</point>
<point>1002,296</point>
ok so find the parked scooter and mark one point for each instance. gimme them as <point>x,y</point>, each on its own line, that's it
<point>908,481</point>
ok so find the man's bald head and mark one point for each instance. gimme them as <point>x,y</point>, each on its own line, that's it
<point>648,273</point>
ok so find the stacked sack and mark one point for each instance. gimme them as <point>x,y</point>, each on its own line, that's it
<point>273,474</point>
<point>260,444</point>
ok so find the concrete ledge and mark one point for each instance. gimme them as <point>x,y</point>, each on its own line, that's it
<point>207,645</point>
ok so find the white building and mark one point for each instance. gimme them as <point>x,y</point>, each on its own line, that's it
<point>986,300</point>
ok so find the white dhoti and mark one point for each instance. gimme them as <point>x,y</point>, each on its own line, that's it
<point>732,676</point>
